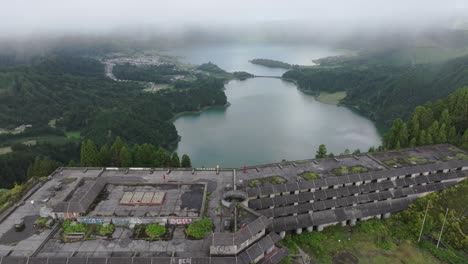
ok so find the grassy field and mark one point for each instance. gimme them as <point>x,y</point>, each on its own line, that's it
<point>331,98</point>
<point>73,134</point>
<point>353,245</point>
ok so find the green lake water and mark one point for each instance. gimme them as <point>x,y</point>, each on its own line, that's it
<point>268,119</point>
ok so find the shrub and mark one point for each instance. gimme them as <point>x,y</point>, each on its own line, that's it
<point>253,183</point>
<point>69,228</point>
<point>198,229</point>
<point>42,221</point>
<point>155,231</point>
<point>105,230</point>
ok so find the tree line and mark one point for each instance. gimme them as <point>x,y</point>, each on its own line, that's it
<point>442,121</point>
<point>120,154</point>
<point>382,91</point>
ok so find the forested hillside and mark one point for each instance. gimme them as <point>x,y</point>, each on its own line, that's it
<point>74,92</point>
<point>384,92</point>
<point>441,121</point>
<point>68,98</point>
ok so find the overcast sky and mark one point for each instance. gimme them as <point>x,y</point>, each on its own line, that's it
<point>18,17</point>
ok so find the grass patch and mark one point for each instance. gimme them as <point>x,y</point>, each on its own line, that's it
<point>391,162</point>
<point>462,156</point>
<point>359,169</point>
<point>409,160</point>
<point>416,160</point>
<point>309,176</point>
<point>261,181</point>
<point>73,134</point>
<point>199,229</point>
<point>369,242</point>
<point>340,171</point>
<point>331,98</point>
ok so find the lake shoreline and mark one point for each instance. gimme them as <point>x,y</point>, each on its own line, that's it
<point>203,109</point>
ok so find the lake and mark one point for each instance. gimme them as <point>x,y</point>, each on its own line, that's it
<point>268,119</point>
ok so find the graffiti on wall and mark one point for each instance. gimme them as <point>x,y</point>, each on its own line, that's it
<point>90,221</point>
<point>180,221</point>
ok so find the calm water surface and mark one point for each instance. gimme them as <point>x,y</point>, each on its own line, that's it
<point>269,119</point>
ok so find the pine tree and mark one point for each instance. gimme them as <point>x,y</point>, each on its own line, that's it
<point>89,154</point>
<point>321,152</point>
<point>105,156</point>
<point>442,135</point>
<point>145,155</point>
<point>186,162</point>
<point>452,135</point>
<point>422,140</point>
<point>125,157</point>
<point>371,149</point>
<point>413,142</point>
<point>398,134</point>
<point>115,150</point>
<point>175,161</point>
<point>429,140</point>
<point>445,118</point>
<point>162,159</point>
<point>434,132</point>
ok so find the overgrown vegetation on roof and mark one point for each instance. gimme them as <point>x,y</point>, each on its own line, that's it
<point>272,180</point>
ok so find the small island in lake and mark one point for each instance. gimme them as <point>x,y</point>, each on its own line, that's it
<point>272,63</point>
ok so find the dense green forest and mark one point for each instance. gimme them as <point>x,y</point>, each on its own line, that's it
<point>272,63</point>
<point>120,154</point>
<point>74,92</point>
<point>155,73</point>
<point>59,94</point>
<point>442,121</point>
<point>384,92</point>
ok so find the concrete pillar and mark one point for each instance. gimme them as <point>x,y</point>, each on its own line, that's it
<point>343,223</point>
<point>352,222</point>
<point>386,215</point>
<point>282,234</point>
<point>312,190</point>
<point>310,229</point>
<point>299,231</point>
<point>320,228</point>
<point>379,216</point>
<point>296,192</point>
<point>272,195</point>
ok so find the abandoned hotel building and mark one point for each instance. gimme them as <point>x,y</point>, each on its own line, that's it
<point>251,208</point>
